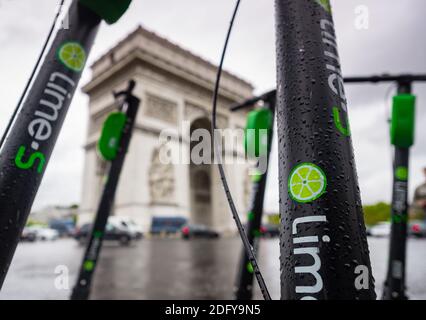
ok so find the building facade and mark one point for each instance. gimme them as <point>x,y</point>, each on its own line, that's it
<point>175,87</point>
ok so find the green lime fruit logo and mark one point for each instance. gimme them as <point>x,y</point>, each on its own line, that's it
<point>307,182</point>
<point>72,55</point>
<point>401,173</point>
<point>88,265</point>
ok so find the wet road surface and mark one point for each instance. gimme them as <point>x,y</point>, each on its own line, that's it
<point>170,269</point>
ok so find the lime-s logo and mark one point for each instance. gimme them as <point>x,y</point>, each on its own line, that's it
<point>25,165</point>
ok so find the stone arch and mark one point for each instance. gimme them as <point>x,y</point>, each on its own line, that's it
<point>174,87</point>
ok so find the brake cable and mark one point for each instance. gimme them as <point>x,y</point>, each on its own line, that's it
<point>33,73</point>
<point>247,246</point>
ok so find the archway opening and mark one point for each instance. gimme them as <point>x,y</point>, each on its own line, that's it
<point>201,173</point>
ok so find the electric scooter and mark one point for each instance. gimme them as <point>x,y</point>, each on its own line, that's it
<point>30,141</point>
<point>113,145</point>
<point>259,129</point>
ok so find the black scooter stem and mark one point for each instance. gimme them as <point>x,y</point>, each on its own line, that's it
<point>245,276</point>
<point>28,147</point>
<point>82,287</point>
<point>394,286</point>
<point>324,250</point>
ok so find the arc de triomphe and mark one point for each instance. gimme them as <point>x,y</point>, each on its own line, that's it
<point>175,87</point>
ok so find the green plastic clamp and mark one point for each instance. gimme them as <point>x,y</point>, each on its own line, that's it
<point>256,138</point>
<point>109,10</point>
<point>109,142</point>
<point>403,120</point>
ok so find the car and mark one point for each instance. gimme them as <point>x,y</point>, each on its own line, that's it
<point>129,223</point>
<point>81,233</point>
<point>198,231</point>
<point>65,227</point>
<point>417,228</point>
<point>167,225</point>
<point>381,229</point>
<point>270,230</point>
<point>28,235</point>
<point>368,230</point>
<point>44,233</point>
<point>112,233</point>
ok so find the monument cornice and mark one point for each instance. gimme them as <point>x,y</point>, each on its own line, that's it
<point>146,48</point>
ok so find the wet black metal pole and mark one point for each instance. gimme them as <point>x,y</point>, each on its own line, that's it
<point>82,287</point>
<point>29,145</point>
<point>324,250</point>
<point>245,277</point>
<point>394,287</point>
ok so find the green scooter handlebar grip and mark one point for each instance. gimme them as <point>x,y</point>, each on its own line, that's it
<point>403,120</point>
<point>112,131</point>
<point>259,122</point>
<point>109,10</point>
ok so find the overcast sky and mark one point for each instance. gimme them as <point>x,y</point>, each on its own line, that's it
<point>394,42</point>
